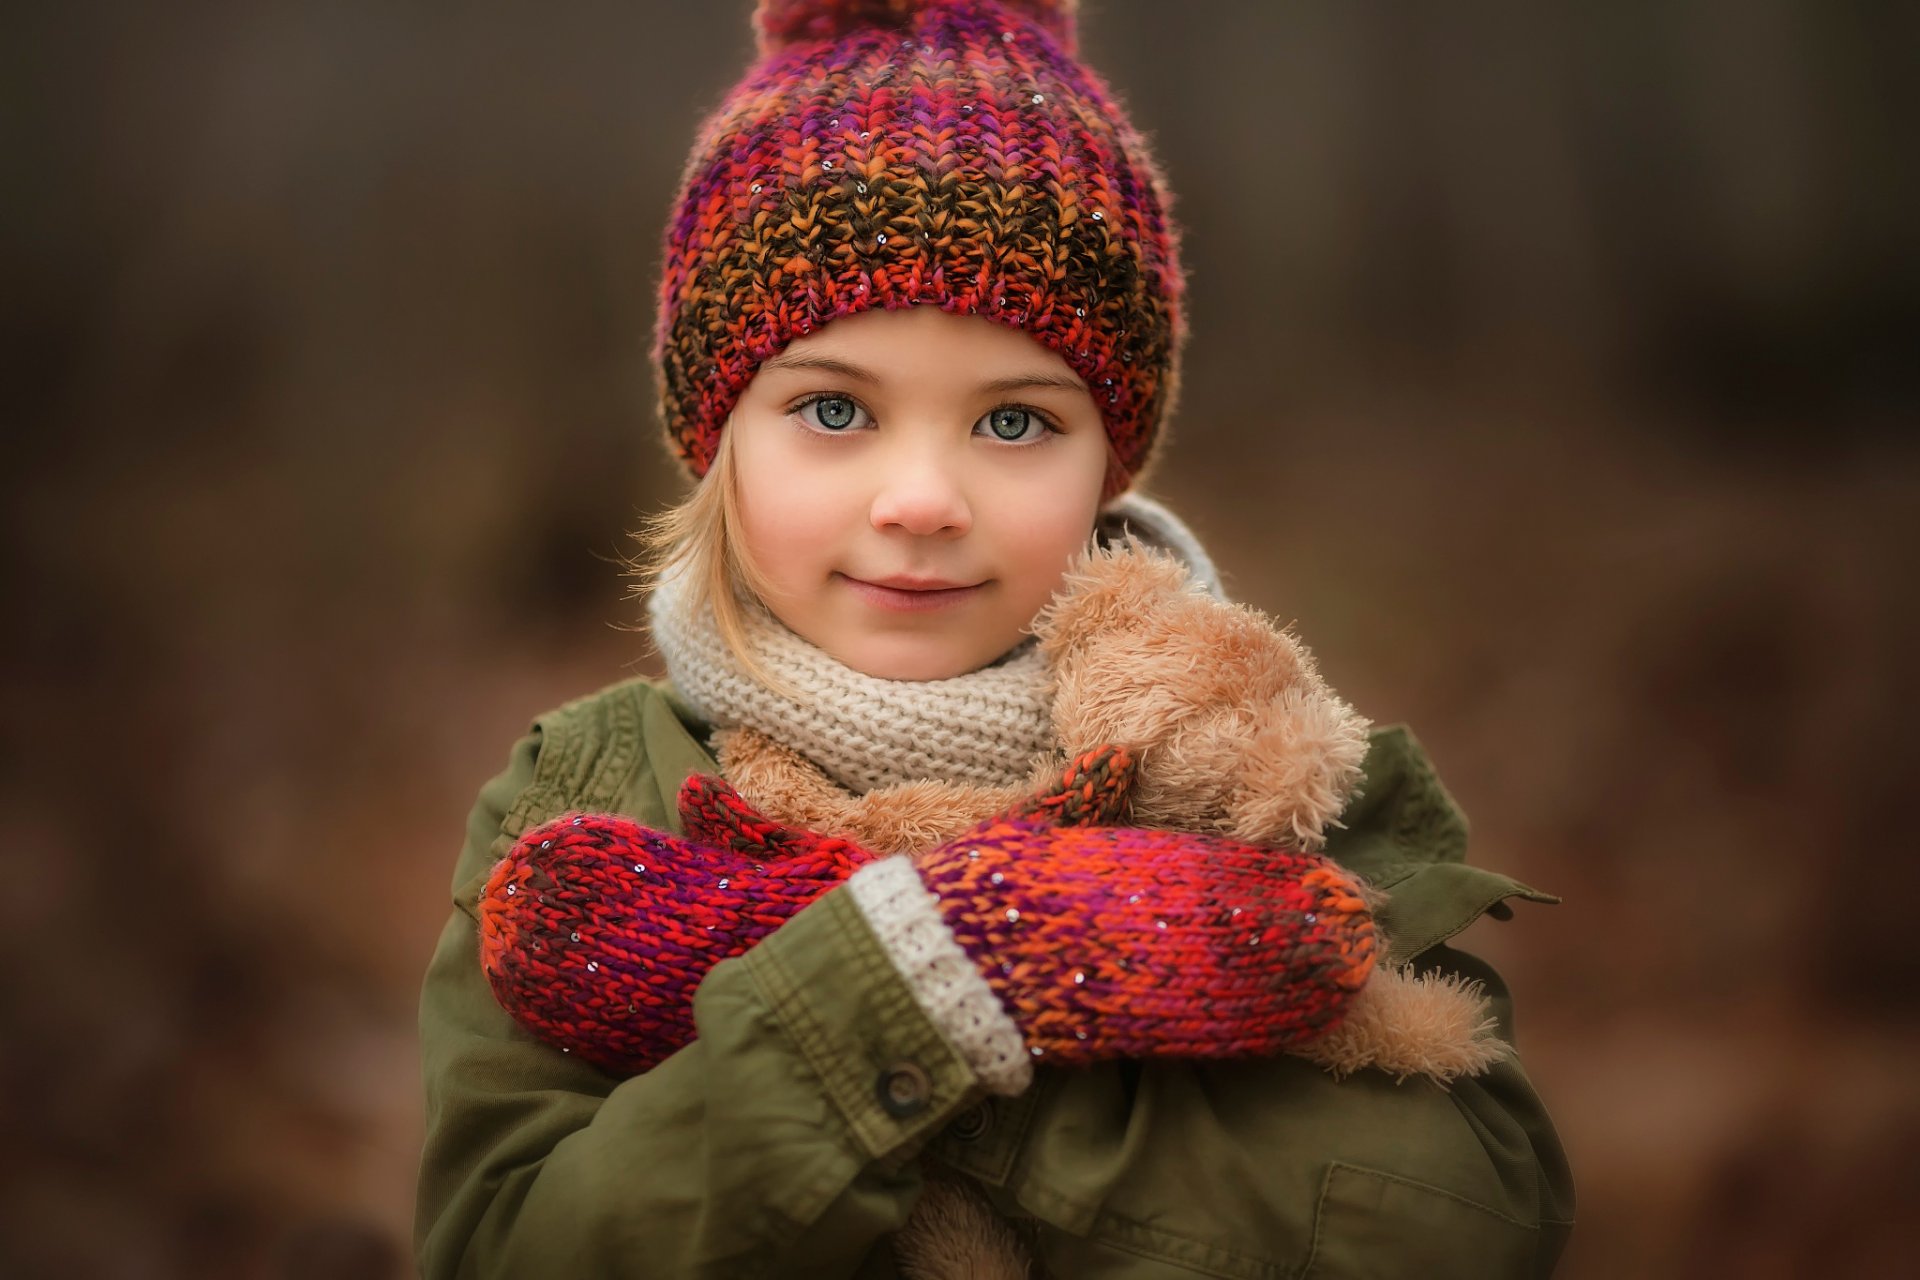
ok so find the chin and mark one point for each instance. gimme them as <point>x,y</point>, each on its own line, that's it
<point>911,662</point>
<point>909,669</point>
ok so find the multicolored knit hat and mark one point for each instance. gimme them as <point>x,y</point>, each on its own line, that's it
<point>888,153</point>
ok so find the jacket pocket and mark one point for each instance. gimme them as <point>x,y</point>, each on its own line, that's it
<point>1373,1224</point>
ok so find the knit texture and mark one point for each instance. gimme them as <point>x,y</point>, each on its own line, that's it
<point>1128,942</point>
<point>1095,788</point>
<point>1093,941</point>
<point>595,931</point>
<point>945,982</point>
<point>951,153</point>
<point>987,728</point>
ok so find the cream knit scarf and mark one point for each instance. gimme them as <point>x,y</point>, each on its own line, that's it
<point>988,727</point>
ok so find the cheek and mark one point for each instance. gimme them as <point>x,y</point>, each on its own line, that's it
<point>1048,526</point>
<point>791,520</point>
<point>1046,521</point>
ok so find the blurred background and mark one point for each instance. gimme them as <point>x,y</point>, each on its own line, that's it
<point>1554,367</point>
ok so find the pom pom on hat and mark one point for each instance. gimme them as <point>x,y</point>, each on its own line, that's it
<point>780,23</point>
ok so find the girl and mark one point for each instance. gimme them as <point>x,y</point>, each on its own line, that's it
<point>920,322</point>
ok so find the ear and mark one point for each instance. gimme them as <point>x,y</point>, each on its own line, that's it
<point>1109,588</point>
<point>1297,767</point>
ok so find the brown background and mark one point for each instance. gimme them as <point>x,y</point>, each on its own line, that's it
<point>1553,366</point>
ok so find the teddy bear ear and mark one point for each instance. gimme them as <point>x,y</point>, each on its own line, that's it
<point>1114,588</point>
<point>1298,768</point>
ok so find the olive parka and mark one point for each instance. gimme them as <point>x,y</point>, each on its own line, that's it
<point>781,1143</point>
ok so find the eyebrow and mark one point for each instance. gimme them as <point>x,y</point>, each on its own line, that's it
<point>827,364</point>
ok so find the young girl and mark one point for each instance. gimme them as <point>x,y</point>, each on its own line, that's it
<point>1111,1014</point>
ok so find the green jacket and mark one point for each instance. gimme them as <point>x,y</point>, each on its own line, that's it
<point>764,1149</point>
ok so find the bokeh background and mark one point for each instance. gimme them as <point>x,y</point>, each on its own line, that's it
<point>1555,367</point>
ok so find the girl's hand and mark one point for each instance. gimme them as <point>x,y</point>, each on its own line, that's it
<point>1124,942</point>
<point>1099,941</point>
<point>595,930</point>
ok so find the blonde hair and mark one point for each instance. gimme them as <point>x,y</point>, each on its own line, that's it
<point>702,540</point>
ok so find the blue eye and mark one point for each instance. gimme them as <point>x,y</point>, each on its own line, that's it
<point>1013,425</point>
<point>830,413</point>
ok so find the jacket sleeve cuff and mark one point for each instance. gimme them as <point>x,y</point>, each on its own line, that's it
<point>880,1062</point>
<point>905,917</point>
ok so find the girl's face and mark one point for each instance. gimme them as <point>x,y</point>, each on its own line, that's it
<point>912,486</point>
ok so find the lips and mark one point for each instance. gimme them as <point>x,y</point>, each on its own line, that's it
<point>907,583</point>
<point>902,593</point>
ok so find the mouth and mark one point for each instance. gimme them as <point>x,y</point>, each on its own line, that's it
<point>905,594</point>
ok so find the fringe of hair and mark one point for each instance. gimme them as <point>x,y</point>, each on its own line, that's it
<point>703,538</point>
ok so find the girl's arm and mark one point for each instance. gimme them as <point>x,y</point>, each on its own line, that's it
<point>1279,1161</point>
<point>778,1143</point>
<point>1276,1167</point>
<point>1025,937</point>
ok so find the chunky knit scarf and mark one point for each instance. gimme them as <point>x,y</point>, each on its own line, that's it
<point>989,727</point>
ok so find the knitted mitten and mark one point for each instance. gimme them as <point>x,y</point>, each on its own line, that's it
<point>1024,938</point>
<point>1118,942</point>
<point>595,930</point>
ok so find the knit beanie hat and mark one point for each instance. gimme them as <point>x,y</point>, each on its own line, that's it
<point>888,153</point>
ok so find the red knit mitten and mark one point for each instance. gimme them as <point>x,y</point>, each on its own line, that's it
<point>1124,942</point>
<point>596,930</point>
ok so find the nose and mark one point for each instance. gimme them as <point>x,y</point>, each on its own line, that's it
<point>921,492</point>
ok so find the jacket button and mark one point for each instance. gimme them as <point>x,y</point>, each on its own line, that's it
<point>972,1124</point>
<point>904,1090</point>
